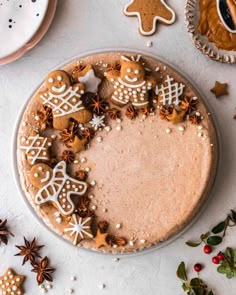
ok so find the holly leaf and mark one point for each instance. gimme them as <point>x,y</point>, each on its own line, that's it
<point>219,228</point>
<point>181,272</point>
<point>214,240</point>
<point>193,244</point>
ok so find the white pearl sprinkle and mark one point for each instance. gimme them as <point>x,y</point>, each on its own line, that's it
<point>93,183</point>
<point>87,169</point>
<point>168,130</point>
<point>59,220</point>
<point>99,139</point>
<point>102,286</point>
<point>107,128</point>
<point>116,259</point>
<point>73,278</point>
<point>48,286</point>
<point>118,120</point>
<point>53,136</point>
<point>142,241</point>
<point>76,161</point>
<point>94,207</point>
<point>70,291</point>
<point>131,243</point>
<point>91,196</point>
<point>149,44</point>
<point>118,128</point>
<point>83,160</point>
<point>104,210</point>
<point>118,226</point>
<point>181,128</point>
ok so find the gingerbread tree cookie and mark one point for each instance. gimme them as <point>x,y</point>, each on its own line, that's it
<point>36,147</point>
<point>131,84</point>
<point>64,99</point>
<point>149,13</point>
<point>56,186</point>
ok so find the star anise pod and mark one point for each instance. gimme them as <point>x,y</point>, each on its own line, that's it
<point>29,251</point>
<point>84,214</point>
<point>114,65</point>
<point>103,226</point>
<point>44,117</point>
<point>88,133</point>
<point>87,99</point>
<point>189,104</point>
<point>131,112</point>
<point>75,128</point>
<point>66,135</point>
<point>114,113</point>
<point>165,111</point>
<point>84,203</point>
<point>120,241</point>
<point>81,175</point>
<point>68,156</point>
<point>43,271</point>
<point>111,240</point>
<point>4,232</point>
<point>98,105</point>
<point>77,69</point>
<point>195,119</point>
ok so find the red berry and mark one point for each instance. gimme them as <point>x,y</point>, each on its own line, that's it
<point>198,267</point>
<point>215,260</point>
<point>207,249</point>
<point>220,256</point>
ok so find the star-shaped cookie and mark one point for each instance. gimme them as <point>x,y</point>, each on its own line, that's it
<point>149,13</point>
<point>220,89</point>
<point>11,283</point>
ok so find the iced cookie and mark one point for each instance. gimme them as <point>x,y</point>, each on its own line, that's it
<point>131,85</point>
<point>64,99</point>
<point>149,13</point>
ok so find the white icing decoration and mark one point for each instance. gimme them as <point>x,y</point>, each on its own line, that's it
<point>59,78</point>
<point>79,228</point>
<point>170,93</point>
<point>51,100</point>
<point>136,72</point>
<point>97,121</point>
<point>51,192</point>
<point>155,19</point>
<point>51,80</point>
<point>128,70</point>
<point>33,151</point>
<point>130,79</point>
<point>60,89</point>
<point>91,81</point>
<point>47,177</point>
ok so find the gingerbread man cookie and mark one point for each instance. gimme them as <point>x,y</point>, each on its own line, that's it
<point>56,186</point>
<point>36,148</point>
<point>64,99</point>
<point>130,83</point>
<point>149,13</point>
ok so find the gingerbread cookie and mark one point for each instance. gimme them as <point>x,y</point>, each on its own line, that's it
<point>64,99</point>
<point>170,92</point>
<point>36,148</point>
<point>149,13</point>
<point>11,283</point>
<point>220,89</point>
<point>80,228</point>
<point>56,186</point>
<point>131,84</point>
<point>88,77</point>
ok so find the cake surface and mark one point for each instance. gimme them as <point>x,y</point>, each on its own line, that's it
<point>150,164</point>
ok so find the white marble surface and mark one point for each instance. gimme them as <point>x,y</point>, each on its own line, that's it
<point>81,26</point>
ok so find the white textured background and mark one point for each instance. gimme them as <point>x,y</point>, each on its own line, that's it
<point>80,26</point>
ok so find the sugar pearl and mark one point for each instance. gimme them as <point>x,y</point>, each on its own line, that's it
<point>181,128</point>
<point>142,241</point>
<point>83,160</point>
<point>118,226</point>
<point>118,128</point>
<point>101,286</point>
<point>99,139</point>
<point>168,130</point>
<point>73,278</point>
<point>149,44</point>
<point>93,183</point>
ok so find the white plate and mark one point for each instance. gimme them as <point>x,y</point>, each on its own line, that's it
<point>209,195</point>
<point>19,21</point>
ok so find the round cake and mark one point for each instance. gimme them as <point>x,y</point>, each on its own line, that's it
<point>116,152</point>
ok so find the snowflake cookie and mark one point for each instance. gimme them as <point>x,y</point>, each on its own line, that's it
<point>36,148</point>
<point>130,84</point>
<point>80,228</point>
<point>56,187</point>
<point>64,99</point>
